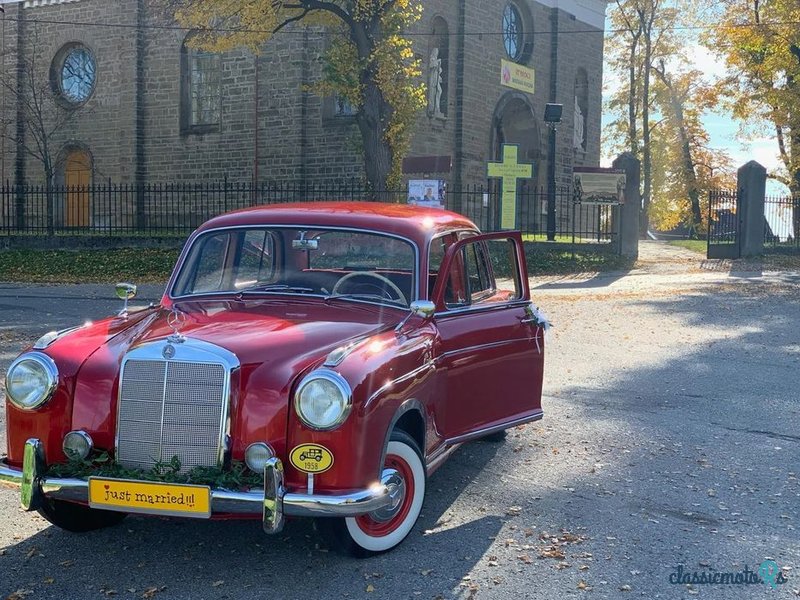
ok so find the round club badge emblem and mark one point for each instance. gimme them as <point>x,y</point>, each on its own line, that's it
<point>168,352</point>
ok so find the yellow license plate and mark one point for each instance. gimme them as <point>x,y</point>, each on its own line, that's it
<point>169,499</point>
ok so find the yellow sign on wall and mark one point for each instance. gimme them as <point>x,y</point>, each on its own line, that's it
<point>516,76</point>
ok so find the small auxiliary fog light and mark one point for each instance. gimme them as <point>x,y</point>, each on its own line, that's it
<point>257,455</point>
<point>77,445</point>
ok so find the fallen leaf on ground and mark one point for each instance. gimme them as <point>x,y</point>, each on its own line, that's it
<point>217,583</point>
<point>19,594</point>
<point>370,588</point>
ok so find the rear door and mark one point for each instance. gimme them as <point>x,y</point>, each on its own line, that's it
<point>490,349</point>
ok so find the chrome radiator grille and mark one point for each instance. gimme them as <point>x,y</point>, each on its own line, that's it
<point>171,408</point>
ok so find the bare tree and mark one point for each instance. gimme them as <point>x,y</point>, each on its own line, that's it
<point>40,118</point>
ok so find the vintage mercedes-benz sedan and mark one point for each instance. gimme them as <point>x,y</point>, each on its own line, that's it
<point>307,360</point>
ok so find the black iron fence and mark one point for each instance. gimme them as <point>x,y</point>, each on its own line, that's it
<point>177,209</point>
<point>782,223</point>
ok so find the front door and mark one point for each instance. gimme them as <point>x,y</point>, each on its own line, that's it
<point>77,177</point>
<point>490,348</point>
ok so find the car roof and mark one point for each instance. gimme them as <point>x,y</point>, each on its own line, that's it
<point>409,221</point>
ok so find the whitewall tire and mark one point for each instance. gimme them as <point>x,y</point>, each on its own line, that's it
<point>384,529</point>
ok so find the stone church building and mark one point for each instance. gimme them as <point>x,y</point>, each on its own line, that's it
<point>143,107</point>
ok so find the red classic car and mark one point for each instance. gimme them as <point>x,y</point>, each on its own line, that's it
<point>306,360</point>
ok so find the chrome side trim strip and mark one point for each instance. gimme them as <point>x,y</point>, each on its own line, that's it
<point>390,384</point>
<point>479,433</point>
<point>438,458</point>
<point>483,347</point>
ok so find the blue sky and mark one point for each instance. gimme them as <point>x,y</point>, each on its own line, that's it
<point>721,126</point>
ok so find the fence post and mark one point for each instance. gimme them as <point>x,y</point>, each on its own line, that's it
<point>752,182</point>
<point>626,219</point>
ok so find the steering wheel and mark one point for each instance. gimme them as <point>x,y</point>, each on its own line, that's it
<point>385,283</point>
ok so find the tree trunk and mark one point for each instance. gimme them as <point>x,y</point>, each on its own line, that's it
<point>647,162</point>
<point>372,119</point>
<point>690,175</point>
<point>633,141</point>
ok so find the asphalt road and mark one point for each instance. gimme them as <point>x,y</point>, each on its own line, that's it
<point>670,438</point>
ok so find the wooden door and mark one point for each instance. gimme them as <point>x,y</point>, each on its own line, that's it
<point>77,177</point>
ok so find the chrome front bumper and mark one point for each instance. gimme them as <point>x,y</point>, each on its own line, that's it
<point>274,503</point>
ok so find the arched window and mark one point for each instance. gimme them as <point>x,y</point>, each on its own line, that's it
<point>201,90</point>
<point>581,108</point>
<point>439,68</point>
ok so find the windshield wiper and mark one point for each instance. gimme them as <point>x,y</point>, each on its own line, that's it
<point>275,287</point>
<point>376,297</point>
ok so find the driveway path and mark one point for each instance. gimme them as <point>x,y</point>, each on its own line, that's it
<point>670,439</point>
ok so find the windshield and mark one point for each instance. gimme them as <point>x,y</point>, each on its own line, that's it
<point>333,263</point>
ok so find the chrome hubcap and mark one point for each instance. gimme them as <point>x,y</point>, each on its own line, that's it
<point>397,492</point>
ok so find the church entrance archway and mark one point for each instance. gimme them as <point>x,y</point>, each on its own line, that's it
<point>515,122</point>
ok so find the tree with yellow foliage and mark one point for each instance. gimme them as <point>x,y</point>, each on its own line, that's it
<point>369,62</point>
<point>760,41</point>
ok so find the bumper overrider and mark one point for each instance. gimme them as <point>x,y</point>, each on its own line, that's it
<point>273,503</point>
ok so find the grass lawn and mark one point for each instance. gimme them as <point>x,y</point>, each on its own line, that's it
<point>137,265</point>
<point>699,246</point>
<point>153,265</point>
<point>557,261</point>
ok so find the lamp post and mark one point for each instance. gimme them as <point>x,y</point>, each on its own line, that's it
<point>552,116</point>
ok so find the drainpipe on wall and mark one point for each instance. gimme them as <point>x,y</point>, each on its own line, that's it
<point>458,163</point>
<point>255,131</point>
<point>305,77</point>
<point>3,100</point>
<point>19,159</point>
<point>552,141</point>
<point>140,175</point>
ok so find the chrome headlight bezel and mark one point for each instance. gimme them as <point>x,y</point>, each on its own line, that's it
<point>51,372</point>
<point>343,388</point>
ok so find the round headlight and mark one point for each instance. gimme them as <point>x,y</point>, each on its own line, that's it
<point>77,445</point>
<point>323,400</point>
<point>31,380</point>
<point>257,455</point>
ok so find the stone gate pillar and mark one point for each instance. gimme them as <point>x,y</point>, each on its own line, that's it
<point>626,216</point>
<point>751,183</point>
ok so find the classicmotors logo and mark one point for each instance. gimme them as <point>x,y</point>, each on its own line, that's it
<point>768,573</point>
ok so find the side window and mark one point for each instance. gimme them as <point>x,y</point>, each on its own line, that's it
<point>439,248</point>
<point>483,273</point>
<point>481,283</point>
<point>256,259</point>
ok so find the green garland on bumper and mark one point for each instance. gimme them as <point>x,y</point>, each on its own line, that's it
<point>237,477</point>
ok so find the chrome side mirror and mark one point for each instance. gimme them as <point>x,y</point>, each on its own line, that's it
<point>125,292</point>
<point>424,309</point>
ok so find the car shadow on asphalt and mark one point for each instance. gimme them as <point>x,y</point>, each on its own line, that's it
<point>176,557</point>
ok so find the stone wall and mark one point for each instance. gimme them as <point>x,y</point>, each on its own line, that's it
<point>298,137</point>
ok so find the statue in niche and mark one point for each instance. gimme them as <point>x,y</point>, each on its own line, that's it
<point>580,127</point>
<point>435,85</point>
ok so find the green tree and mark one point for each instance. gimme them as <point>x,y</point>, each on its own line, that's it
<point>369,61</point>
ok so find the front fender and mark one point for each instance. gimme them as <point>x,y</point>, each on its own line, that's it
<point>384,373</point>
